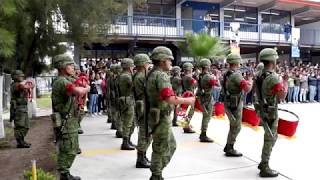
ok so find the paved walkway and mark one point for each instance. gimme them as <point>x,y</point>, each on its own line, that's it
<point>102,158</point>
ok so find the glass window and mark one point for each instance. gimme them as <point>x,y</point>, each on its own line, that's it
<point>241,14</point>
<point>172,2</point>
<point>154,10</point>
<point>164,8</point>
<point>169,11</point>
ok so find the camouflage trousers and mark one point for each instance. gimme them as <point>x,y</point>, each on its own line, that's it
<point>269,141</point>
<point>163,147</point>
<point>207,104</point>
<point>115,117</point>
<point>80,117</point>
<point>143,141</point>
<point>235,119</point>
<point>127,119</point>
<point>21,125</point>
<point>67,146</point>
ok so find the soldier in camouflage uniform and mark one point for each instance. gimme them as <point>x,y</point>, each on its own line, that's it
<point>141,61</point>
<point>64,115</point>
<point>19,108</point>
<point>234,86</point>
<point>126,102</point>
<point>159,102</point>
<point>176,82</point>
<point>188,84</point>
<point>107,97</point>
<point>117,109</point>
<point>81,110</point>
<point>206,84</point>
<point>111,97</point>
<point>268,90</point>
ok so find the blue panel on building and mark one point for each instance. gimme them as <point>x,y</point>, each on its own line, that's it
<point>199,10</point>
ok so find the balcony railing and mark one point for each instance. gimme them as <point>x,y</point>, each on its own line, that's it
<point>146,26</point>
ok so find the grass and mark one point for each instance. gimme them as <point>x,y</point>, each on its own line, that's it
<point>44,102</point>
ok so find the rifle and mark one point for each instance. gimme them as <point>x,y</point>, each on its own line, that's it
<point>201,94</point>
<point>13,107</point>
<point>64,118</point>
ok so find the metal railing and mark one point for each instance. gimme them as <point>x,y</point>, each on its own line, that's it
<point>148,26</point>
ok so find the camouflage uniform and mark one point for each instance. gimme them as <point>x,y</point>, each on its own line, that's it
<point>268,85</point>
<point>206,84</point>
<point>81,112</point>
<point>111,97</point>
<point>139,79</point>
<point>176,82</point>
<point>126,102</point>
<point>188,84</point>
<point>19,110</point>
<point>117,108</point>
<point>64,110</point>
<point>159,114</point>
<point>107,97</point>
<point>233,85</point>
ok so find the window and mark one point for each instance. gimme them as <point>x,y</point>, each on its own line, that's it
<point>158,8</point>
<point>241,14</point>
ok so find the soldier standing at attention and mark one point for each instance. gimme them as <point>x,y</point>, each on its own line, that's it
<point>234,85</point>
<point>126,101</point>
<point>188,84</point>
<point>206,84</point>
<point>64,115</point>
<point>176,82</point>
<point>160,100</point>
<point>81,109</point>
<point>117,71</point>
<point>269,90</point>
<point>107,96</point>
<point>19,108</point>
<point>141,61</point>
<point>111,97</point>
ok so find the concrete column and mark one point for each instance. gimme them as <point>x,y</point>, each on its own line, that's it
<point>292,21</point>
<point>259,25</point>
<point>178,18</point>
<point>2,133</point>
<point>130,16</point>
<point>221,20</point>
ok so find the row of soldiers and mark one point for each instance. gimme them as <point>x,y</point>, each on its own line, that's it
<point>148,98</point>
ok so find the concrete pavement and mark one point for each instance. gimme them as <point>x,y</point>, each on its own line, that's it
<point>102,158</point>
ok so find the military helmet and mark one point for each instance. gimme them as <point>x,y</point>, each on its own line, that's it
<point>260,66</point>
<point>161,53</point>
<point>117,68</point>
<point>205,62</point>
<point>141,59</point>
<point>127,63</point>
<point>234,58</point>
<point>176,69</point>
<point>187,66</point>
<point>17,73</point>
<point>62,60</point>
<point>268,54</point>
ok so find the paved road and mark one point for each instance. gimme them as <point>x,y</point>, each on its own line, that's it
<point>102,158</point>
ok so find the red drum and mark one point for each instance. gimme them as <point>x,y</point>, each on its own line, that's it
<point>186,94</point>
<point>250,116</point>
<point>218,109</point>
<point>288,122</point>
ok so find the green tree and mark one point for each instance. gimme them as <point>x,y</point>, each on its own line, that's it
<point>203,45</point>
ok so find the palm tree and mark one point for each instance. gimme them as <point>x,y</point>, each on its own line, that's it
<point>204,46</point>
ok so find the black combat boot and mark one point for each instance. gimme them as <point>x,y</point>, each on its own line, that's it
<point>79,151</point>
<point>131,144</point>
<point>204,138</point>
<point>125,145</point>
<point>109,120</point>
<point>156,177</point>
<point>265,170</point>
<point>68,176</point>
<point>119,134</point>
<point>141,161</point>
<point>188,130</point>
<point>231,152</point>
<point>113,126</point>
<point>80,131</point>
<point>22,144</point>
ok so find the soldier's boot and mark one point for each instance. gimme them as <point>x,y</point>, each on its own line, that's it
<point>79,151</point>
<point>204,138</point>
<point>113,126</point>
<point>109,120</point>
<point>131,144</point>
<point>142,161</point>
<point>266,171</point>
<point>188,130</point>
<point>156,177</point>
<point>231,152</point>
<point>68,176</point>
<point>80,131</point>
<point>125,145</point>
<point>145,157</point>
<point>22,144</point>
<point>119,134</point>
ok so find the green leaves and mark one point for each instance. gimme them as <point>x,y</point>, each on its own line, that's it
<point>204,46</point>
<point>7,43</point>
